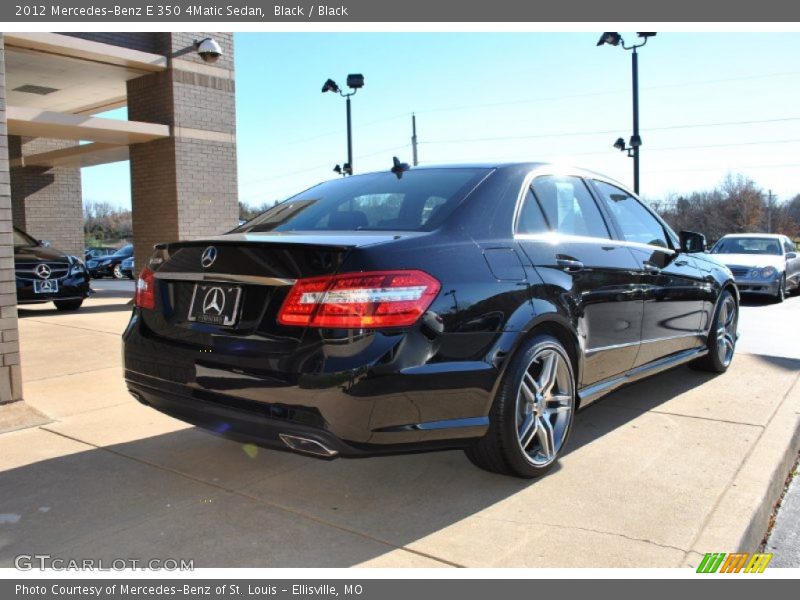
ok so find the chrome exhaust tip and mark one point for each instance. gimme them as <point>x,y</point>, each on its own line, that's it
<point>307,445</point>
<point>139,398</point>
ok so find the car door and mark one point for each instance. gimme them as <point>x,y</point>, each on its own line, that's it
<point>674,287</point>
<point>566,238</point>
<point>792,263</point>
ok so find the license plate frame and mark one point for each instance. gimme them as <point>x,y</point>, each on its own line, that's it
<point>215,303</point>
<point>45,286</point>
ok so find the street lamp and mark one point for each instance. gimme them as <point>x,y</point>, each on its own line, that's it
<point>612,38</point>
<point>355,81</point>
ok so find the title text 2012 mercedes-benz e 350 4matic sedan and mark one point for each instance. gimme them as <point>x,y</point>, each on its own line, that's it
<point>472,307</point>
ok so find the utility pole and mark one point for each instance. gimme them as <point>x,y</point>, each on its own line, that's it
<point>769,212</point>
<point>635,140</point>
<point>414,139</point>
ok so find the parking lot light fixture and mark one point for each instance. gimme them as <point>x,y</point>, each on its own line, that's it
<point>612,38</point>
<point>355,81</point>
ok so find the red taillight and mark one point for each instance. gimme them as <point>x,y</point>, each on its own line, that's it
<point>359,300</point>
<point>145,290</point>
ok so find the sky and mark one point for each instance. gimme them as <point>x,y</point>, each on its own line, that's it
<point>710,104</point>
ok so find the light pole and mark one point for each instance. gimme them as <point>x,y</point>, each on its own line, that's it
<point>612,38</point>
<point>355,82</point>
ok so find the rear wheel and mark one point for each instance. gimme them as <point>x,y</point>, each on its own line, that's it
<point>722,336</point>
<point>532,414</point>
<point>68,304</point>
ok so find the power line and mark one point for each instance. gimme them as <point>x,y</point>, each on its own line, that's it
<point>597,94</point>
<point>317,167</point>
<point>605,132</point>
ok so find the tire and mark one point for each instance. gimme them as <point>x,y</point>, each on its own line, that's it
<point>117,271</point>
<point>68,304</point>
<point>532,414</point>
<point>781,295</point>
<point>721,341</point>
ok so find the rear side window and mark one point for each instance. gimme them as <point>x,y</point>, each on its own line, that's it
<point>637,223</point>
<point>420,200</point>
<point>568,206</point>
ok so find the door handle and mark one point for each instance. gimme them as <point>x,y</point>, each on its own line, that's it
<point>650,268</point>
<point>569,264</point>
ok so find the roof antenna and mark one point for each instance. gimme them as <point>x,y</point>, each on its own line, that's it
<point>399,167</point>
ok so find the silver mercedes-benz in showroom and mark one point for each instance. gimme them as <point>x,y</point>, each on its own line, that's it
<point>761,263</point>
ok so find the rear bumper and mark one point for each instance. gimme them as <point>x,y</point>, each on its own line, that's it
<point>370,408</point>
<point>250,427</point>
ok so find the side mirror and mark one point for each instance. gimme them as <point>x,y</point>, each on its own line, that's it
<point>45,243</point>
<point>692,241</point>
<point>791,255</point>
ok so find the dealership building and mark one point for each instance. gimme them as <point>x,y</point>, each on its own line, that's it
<point>180,139</point>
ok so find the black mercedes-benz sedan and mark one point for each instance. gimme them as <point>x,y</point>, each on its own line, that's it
<point>45,274</point>
<point>473,307</point>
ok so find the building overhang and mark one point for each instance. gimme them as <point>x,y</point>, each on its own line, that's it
<point>61,73</point>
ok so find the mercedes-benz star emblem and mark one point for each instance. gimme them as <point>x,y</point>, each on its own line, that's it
<point>214,300</point>
<point>208,257</point>
<point>43,271</point>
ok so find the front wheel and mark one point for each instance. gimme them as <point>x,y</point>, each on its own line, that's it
<point>68,304</point>
<point>532,414</point>
<point>722,336</point>
<point>118,274</point>
<point>780,295</point>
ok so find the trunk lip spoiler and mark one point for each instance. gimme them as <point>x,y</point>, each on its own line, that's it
<point>224,278</point>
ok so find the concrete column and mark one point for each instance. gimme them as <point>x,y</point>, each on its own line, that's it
<point>184,187</point>
<point>47,202</point>
<point>10,377</point>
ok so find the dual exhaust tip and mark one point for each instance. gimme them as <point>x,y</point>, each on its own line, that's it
<point>307,445</point>
<point>295,442</point>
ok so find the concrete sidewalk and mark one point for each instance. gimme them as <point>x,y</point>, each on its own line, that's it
<point>657,474</point>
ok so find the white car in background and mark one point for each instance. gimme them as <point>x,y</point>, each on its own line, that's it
<point>761,263</point>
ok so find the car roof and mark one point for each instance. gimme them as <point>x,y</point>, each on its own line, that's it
<point>545,167</point>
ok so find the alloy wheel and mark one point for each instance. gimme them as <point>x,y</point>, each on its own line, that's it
<point>118,271</point>
<point>726,331</point>
<point>544,407</point>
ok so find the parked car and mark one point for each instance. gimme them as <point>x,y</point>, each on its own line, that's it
<point>126,266</point>
<point>473,307</point>
<point>97,252</point>
<point>761,263</point>
<point>111,265</point>
<point>45,274</point>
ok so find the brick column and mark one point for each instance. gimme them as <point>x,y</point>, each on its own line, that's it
<point>184,187</point>
<point>47,202</point>
<point>10,378</point>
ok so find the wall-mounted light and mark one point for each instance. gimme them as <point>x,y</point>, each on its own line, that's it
<point>208,49</point>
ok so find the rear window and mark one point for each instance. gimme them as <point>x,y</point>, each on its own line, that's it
<point>419,201</point>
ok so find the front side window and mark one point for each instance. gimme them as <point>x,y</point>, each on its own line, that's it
<point>568,206</point>
<point>637,223</point>
<point>418,201</point>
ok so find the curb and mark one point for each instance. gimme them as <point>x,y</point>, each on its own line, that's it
<point>740,519</point>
